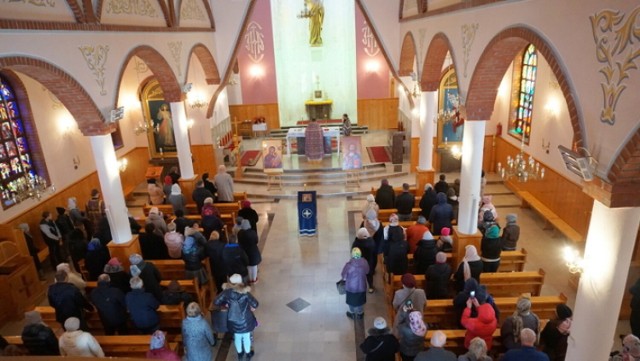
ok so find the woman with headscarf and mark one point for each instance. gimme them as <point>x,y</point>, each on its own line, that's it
<point>630,348</point>
<point>177,199</point>
<point>193,254</point>
<point>95,259</point>
<point>411,333</point>
<point>249,214</point>
<point>395,248</point>
<point>510,233</point>
<point>437,277</point>
<point>471,266</point>
<point>408,298</point>
<point>427,201</point>
<point>486,205</point>
<point>240,320</point>
<point>491,249</point>
<point>248,240</point>
<point>370,204</point>
<point>368,248</point>
<point>354,273</point>
<point>156,193</point>
<point>119,278</point>
<point>346,125</point>
<point>521,318</point>
<point>158,349</point>
<point>197,335</point>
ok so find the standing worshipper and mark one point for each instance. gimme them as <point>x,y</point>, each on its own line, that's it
<point>197,335</point>
<point>248,240</point>
<point>554,336</point>
<point>385,195</point>
<point>235,259</point>
<point>314,141</point>
<point>95,210</point>
<point>193,254</point>
<point>510,233</point>
<point>528,351</point>
<point>346,125</point>
<point>425,254</point>
<point>111,306</point>
<point>477,351</point>
<point>441,214</point>
<point>369,252</point>
<point>370,204</point>
<point>176,199</point>
<point>156,217</point>
<point>118,277</point>
<point>75,342</point>
<point>240,320</point>
<point>224,184</point>
<point>37,337</point>
<point>156,193</point>
<point>380,345</point>
<point>491,249</point>
<point>404,203</point>
<point>77,244</point>
<point>354,273</point>
<point>408,298</point>
<point>411,332</point>
<point>437,278</point>
<point>442,186</point>
<point>436,352</point>
<point>142,307</point>
<point>415,233</point>
<point>96,257</point>
<point>634,319</point>
<point>67,300</point>
<point>481,326</point>
<point>208,185</point>
<point>158,349</point>
<point>52,237</point>
<point>174,241</point>
<point>33,250</point>
<point>427,201</point>
<point>200,193</point>
<point>148,273</point>
<point>214,248</point>
<point>249,214</point>
<point>522,318</point>
<point>395,248</point>
<point>63,221</point>
<point>470,267</point>
<point>75,213</point>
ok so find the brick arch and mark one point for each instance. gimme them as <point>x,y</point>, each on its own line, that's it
<point>161,70</point>
<point>493,64</point>
<point>207,62</point>
<point>433,62</point>
<point>625,168</point>
<point>77,101</point>
<point>407,55</point>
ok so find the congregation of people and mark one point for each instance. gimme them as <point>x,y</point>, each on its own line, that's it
<point>127,301</point>
<point>522,334</point>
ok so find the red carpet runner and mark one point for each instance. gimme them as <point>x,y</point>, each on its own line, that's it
<point>250,158</point>
<point>379,154</point>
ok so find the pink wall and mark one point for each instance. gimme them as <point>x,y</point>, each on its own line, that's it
<point>372,83</point>
<point>256,53</point>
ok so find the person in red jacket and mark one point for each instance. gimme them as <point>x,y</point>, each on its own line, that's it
<point>158,348</point>
<point>481,326</point>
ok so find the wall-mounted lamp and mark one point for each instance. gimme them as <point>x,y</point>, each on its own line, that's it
<point>122,164</point>
<point>197,101</point>
<point>573,260</point>
<point>190,123</point>
<point>256,71</point>
<point>141,128</point>
<point>545,146</point>
<point>76,161</point>
<point>372,66</point>
<point>116,114</point>
<point>187,87</point>
<point>66,126</point>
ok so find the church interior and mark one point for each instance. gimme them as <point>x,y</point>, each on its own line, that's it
<point>529,102</point>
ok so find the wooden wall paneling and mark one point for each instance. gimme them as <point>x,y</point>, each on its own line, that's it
<point>378,114</point>
<point>270,112</point>
<point>138,161</point>
<point>562,196</point>
<point>204,160</point>
<point>415,154</point>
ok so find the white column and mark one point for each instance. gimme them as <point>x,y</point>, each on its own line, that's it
<point>428,110</point>
<point>181,133</point>
<point>472,147</point>
<point>111,187</point>
<point>607,256</point>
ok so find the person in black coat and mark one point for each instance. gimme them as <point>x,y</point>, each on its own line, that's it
<point>67,300</point>
<point>148,273</point>
<point>442,186</point>
<point>249,214</point>
<point>112,309</point>
<point>404,203</point>
<point>211,222</point>
<point>152,243</point>
<point>119,278</point>
<point>175,294</point>
<point>209,185</point>
<point>398,248</point>
<point>380,345</point>
<point>427,201</point>
<point>77,243</point>
<point>33,250</point>
<point>37,337</point>
<point>96,257</point>
<point>200,193</point>
<point>193,254</point>
<point>437,277</point>
<point>425,254</point>
<point>142,307</point>
<point>385,195</point>
<point>491,249</point>
<point>368,250</point>
<point>441,214</point>
<point>235,259</point>
<point>248,240</point>
<point>213,249</point>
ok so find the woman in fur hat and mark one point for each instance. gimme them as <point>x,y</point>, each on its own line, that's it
<point>240,320</point>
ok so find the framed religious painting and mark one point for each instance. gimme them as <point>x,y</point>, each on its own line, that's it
<point>272,154</point>
<point>351,153</point>
<point>157,115</point>
<point>448,131</point>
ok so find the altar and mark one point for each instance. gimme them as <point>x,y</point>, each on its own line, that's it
<point>298,133</point>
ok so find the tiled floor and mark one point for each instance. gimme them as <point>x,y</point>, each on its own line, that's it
<point>306,268</point>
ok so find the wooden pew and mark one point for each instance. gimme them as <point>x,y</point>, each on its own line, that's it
<point>529,201</point>
<point>510,261</point>
<point>167,209</point>
<point>171,317</point>
<point>510,284</point>
<point>122,346</point>
<point>398,190</point>
<point>384,214</point>
<point>441,312</point>
<point>455,341</point>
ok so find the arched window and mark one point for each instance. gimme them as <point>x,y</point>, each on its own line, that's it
<point>16,161</point>
<point>520,126</point>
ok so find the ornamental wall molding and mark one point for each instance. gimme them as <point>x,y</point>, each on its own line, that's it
<point>254,42</point>
<point>191,11</point>
<point>615,48</point>
<point>176,50</point>
<point>468,36</point>
<point>371,47</point>
<point>96,58</point>
<point>39,3</point>
<point>132,7</point>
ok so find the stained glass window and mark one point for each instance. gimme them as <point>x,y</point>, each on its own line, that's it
<point>520,127</point>
<point>16,161</point>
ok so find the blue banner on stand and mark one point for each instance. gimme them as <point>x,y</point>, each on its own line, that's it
<point>307,216</point>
